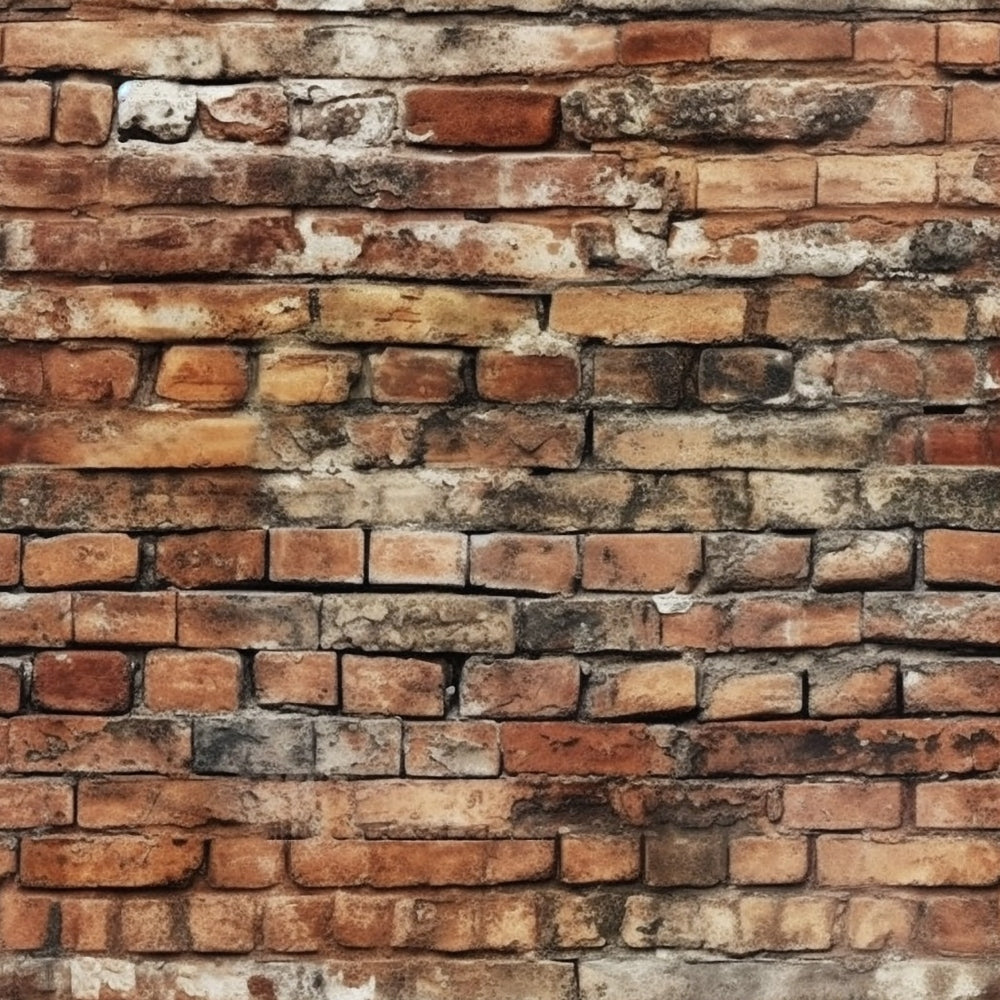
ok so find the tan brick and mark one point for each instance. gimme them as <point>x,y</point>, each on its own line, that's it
<point>80,560</point>
<point>146,619</point>
<point>245,862</point>
<point>745,183</point>
<point>437,558</point>
<point>964,618</point>
<point>854,560</point>
<point>82,681</point>
<point>179,680</point>
<point>302,378</point>
<point>958,805</point>
<point>214,376</point>
<point>329,555</point>
<point>843,805</point>
<point>780,41</point>
<point>627,316</point>
<point>768,860</point>
<point>204,558</point>
<point>968,43</point>
<point>295,678</point>
<point>623,690</point>
<point>875,923</point>
<point>877,180</point>
<point>759,694</point>
<point>27,111</point>
<point>641,562</point>
<point>646,43</point>
<point>389,685</point>
<point>541,563</point>
<point>527,378</point>
<point>867,690</point>
<point>591,858</point>
<point>548,687</point>
<point>83,112</point>
<point>451,749</point>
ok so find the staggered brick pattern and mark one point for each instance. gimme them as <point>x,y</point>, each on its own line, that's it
<point>499,501</point>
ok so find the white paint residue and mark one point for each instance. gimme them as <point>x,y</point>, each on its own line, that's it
<point>212,984</point>
<point>338,991</point>
<point>87,976</point>
<point>672,603</point>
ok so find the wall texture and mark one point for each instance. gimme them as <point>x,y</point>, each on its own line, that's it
<point>499,501</point>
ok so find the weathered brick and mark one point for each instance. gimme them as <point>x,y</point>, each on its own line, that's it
<point>854,560</point>
<point>250,745</point>
<point>457,623</point>
<point>763,622</point>
<point>933,618</point>
<point>28,106</point>
<point>492,117</point>
<point>931,861</point>
<point>964,686</point>
<point>746,183</point>
<point>34,802</point>
<point>958,805</point>
<point>25,920</point>
<point>969,43</point>
<point>153,925</point>
<point>438,558</point>
<point>23,375</point>
<point>299,377</point>
<point>752,562</point>
<point>214,376</point>
<point>761,693</point>
<point>296,923</point>
<point>744,374</point>
<point>121,861</point>
<point>617,691</point>
<point>156,110</point>
<point>451,749</point>
<point>599,858</point>
<point>685,858</point>
<point>35,619</point>
<point>82,681</point>
<point>649,42</point>
<point>843,805</point>
<point>527,378</point>
<point>768,860</point>
<point>548,687</point>
<point>91,376</point>
<point>875,923</point>
<point>85,924</point>
<point>80,560</point>
<point>331,555</point>
<point>358,747</point>
<point>866,690</point>
<point>895,41</point>
<point>588,624</point>
<point>251,620</point>
<point>777,41</point>
<point>223,922</point>
<point>544,564</point>
<point>639,375</point>
<point>256,113</point>
<point>83,112</point>
<point>389,685</point>
<point>210,557</point>
<point>178,680</point>
<point>413,375</point>
<point>295,678</point>
<point>641,562</point>
<point>147,619</point>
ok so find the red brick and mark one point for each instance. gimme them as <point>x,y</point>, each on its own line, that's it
<point>768,860</point>
<point>876,923</point>
<point>895,41</point>
<point>645,43</point>
<point>491,117</point>
<point>641,562</point>
<point>429,557</point>
<point>961,925</point>
<point>578,748</point>
<point>142,619</point>
<point>85,924</point>
<point>970,619</point>
<point>962,557</point>
<point>591,858</point>
<point>83,112</point>
<point>118,862</point>
<point>678,858</point>
<point>222,922</point>
<point>251,620</point>
<point>389,864</point>
<point>451,749</point>
<point>974,107</point>
<point>327,555</point>
<point>389,685</point>
<point>541,563</point>
<point>245,863</point>
<point>35,619</point>
<point>153,925</point>
<point>618,691</point>
<point>211,375</point>
<point>25,920</point>
<point>21,373</point>
<point>843,805</point>
<point>27,111</point>
<point>295,678</point>
<point>413,375</point>
<point>548,687</point>
<point>205,558</point>
<point>950,374</point>
<point>31,802</point>
<point>299,377</point>
<point>10,687</point>
<point>177,680</point>
<point>296,924</point>
<point>10,560</point>
<point>867,690</point>
<point>779,41</point>
<point>878,372</point>
<point>766,622</point>
<point>91,376</point>
<point>700,626</point>
<point>80,560</point>
<point>964,686</point>
<point>82,681</point>
<point>527,378</point>
<point>256,113</point>
<point>968,43</point>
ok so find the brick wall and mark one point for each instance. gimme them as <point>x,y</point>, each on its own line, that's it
<point>499,500</point>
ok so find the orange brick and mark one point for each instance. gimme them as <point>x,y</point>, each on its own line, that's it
<point>298,924</point>
<point>389,685</point>
<point>875,923</point>
<point>91,376</point>
<point>780,41</point>
<point>487,116</point>
<point>768,860</point>
<point>205,558</point>
<point>963,686</point>
<point>868,690</point>
<point>758,694</point>
<point>429,557</point>
<point>153,925</point>
<point>591,858</point>
<point>222,922</point>
<point>412,375</point>
<point>82,681</point>
<point>209,375</point>
<point>85,924</point>
<point>645,43</point>
<point>27,111</point>
<point>142,619</point>
<point>327,555</point>
<point>527,378</point>
<point>10,687</point>
<point>25,920</point>
<point>843,805</point>
<point>736,561</point>
<point>245,863</point>
<point>10,560</point>
<point>646,562</point>
<point>83,112</point>
<point>31,802</point>
<point>971,557</point>
<point>257,114</point>
<point>80,560</point>
<point>968,43</point>
<point>541,563</point>
<point>298,377</point>
<point>745,183</point>
<point>877,180</point>
<point>895,41</point>
<point>295,678</point>
<point>544,688</point>
<point>681,858</point>
<point>619,691</point>
<point>702,626</point>
<point>958,805</point>
<point>179,680</point>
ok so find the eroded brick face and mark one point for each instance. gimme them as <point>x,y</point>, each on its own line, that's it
<point>499,501</point>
